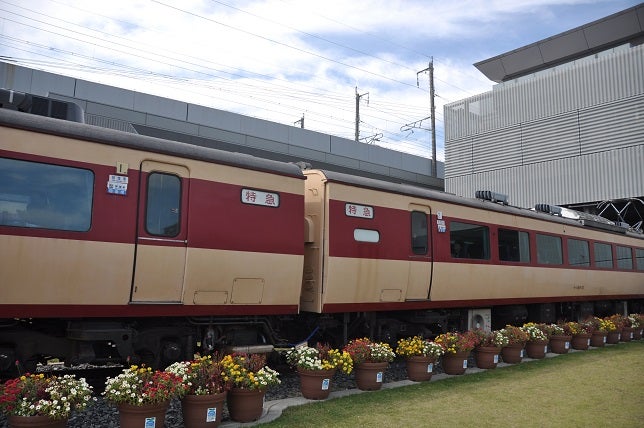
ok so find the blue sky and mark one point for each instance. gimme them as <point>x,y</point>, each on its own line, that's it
<point>281,60</point>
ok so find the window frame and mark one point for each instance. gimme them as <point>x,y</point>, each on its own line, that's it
<point>415,235</point>
<point>58,203</point>
<point>486,250</point>
<point>618,259</point>
<point>558,262</point>
<point>568,254</point>
<point>179,206</point>
<point>518,232</point>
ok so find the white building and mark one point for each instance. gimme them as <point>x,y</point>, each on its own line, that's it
<point>564,125</point>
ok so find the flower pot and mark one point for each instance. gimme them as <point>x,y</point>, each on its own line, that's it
<point>420,368</point>
<point>245,405</point>
<point>148,415</point>
<point>536,349</point>
<point>512,354</point>
<point>580,341</point>
<point>627,334</point>
<point>315,384</point>
<point>612,337</point>
<point>486,357</point>
<point>455,364</point>
<point>598,339</point>
<point>202,411</point>
<point>560,344</point>
<point>637,333</point>
<point>369,376</point>
<point>35,422</point>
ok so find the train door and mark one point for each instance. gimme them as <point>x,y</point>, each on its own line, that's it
<point>420,253</point>
<point>161,242</point>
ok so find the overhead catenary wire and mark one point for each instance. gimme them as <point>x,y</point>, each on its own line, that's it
<point>245,82</point>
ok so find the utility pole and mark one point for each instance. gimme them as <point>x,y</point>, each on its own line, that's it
<point>301,122</point>
<point>432,109</point>
<point>358,112</point>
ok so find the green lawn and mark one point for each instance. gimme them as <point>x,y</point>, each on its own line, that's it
<point>601,387</point>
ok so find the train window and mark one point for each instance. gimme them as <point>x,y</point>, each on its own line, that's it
<point>549,250</point>
<point>624,258</point>
<point>366,235</point>
<point>418,232</point>
<point>639,259</point>
<point>470,241</point>
<point>514,246</point>
<point>603,255</point>
<point>578,253</point>
<point>45,196</point>
<point>163,204</point>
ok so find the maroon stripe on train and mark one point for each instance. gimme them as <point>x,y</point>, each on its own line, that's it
<point>438,304</point>
<point>216,217</point>
<point>393,225</point>
<point>140,310</point>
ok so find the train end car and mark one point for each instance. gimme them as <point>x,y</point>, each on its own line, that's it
<point>140,246</point>
<point>387,259</point>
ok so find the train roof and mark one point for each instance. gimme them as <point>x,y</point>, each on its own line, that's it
<point>63,128</point>
<point>421,192</point>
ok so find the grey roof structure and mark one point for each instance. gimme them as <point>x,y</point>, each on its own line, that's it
<point>622,27</point>
<point>136,112</point>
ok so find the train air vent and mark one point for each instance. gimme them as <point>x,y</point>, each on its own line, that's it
<point>488,195</point>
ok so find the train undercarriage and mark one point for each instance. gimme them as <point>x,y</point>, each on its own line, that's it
<point>157,342</point>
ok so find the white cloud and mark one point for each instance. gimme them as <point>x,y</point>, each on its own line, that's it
<point>279,59</point>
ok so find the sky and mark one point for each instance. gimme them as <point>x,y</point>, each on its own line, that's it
<point>288,61</point>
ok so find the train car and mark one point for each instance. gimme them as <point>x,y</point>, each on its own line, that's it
<point>120,245</point>
<point>397,260</point>
<point>116,246</point>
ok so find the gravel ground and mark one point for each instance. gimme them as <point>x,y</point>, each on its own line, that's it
<point>105,415</point>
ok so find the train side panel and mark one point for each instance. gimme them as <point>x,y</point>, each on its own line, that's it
<point>364,252</point>
<point>238,249</point>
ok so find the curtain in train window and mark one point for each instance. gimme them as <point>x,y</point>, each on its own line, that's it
<point>514,246</point>
<point>470,241</point>
<point>549,250</point>
<point>40,195</point>
<point>163,205</point>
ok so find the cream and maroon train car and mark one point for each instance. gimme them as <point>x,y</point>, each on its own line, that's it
<point>398,258</point>
<point>99,228</point>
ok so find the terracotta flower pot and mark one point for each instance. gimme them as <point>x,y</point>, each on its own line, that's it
<point>512,354</point>
<point>487,357</point>
<point>202,411</point>
<point>627,334</point>
<point>315,384</point>
<point>455,364</point>
<point>35,422</point>
<point>560,344</point>
<point>369,376</point>
<point>581,341</point>
<point>245,405</point>
<point>613,337</point>
<point>148,415</point>
<point>536,349</point>
<point>420,368</point>
<point>598,339</point>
